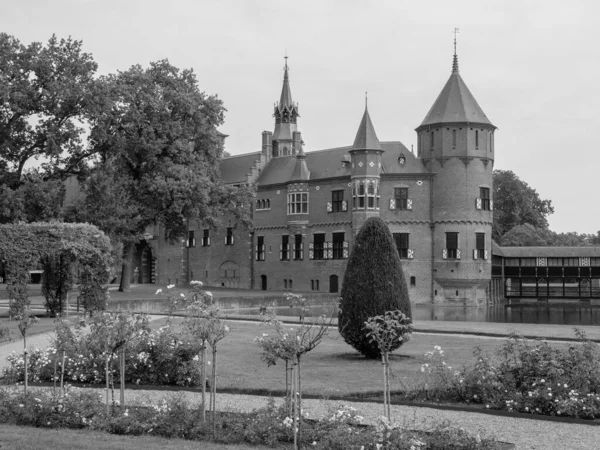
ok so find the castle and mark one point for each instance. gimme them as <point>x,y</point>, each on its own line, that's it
<point>309,206</point>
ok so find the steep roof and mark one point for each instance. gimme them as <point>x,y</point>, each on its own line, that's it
<point>235,168</point>
<point>366,138</point>
<point>455,103</point>
<point>286,92</point>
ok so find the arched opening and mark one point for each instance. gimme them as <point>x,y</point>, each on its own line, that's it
<point>142,264</point>
<point>263,282</point>
<point>333,283</point>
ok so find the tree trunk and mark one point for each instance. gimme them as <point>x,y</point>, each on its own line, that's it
<point>55,376</point>
<point>122,378</point>
<point>384,385</point>
<point>62,375</point>
<point>128,250</point>
<point>389,395</point>
<point>288,392</point>
<point>294,422</point>
<point>203,381</point>
<point>25,362</point>
<point>107,387</point>
<point>214,389</point>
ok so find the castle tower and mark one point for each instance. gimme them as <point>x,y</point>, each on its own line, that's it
<point>286,139</point>
<point>456,142</point>
<point>365,158</point>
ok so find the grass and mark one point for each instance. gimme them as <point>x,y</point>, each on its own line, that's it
<point>29,438</point>
<point>44,325</point>
<point>333,368</point>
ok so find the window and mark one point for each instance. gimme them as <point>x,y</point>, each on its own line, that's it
<point>361,195</point>
<point>480,246</point>
<point>191,241</point>
<point>453,138</point>
<point>476,139</point>
<point>484,194</point>
<point>229,236</point>
<point>337,200</point>
<point>413,281</point>
<point>285,248</point>
<point>318,246</point>
<point>371,195</point>
<point>401,240</point>
<point>353,195</point>
<point>314,285</point>
<point>431,145</point>
<point>338,245</point>
<point>260,248</point>
<point>206,238</point>
<point>298,203</point>
<point>554,261</point>
<point>528,262</point>
<point>452,245</point>
<point>401,196</point>
<point>298,247</point>
<point>571,261</point>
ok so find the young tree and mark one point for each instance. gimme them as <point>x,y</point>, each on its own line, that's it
<point>159,150</point>
<point>373,284</point>
<point>386,331</point>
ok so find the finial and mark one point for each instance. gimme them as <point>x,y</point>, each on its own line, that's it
<point>455,59</point>
<point>366,99</point>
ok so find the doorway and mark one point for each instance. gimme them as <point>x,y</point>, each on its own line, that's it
<point>333,283</point>
<point>263,282</point>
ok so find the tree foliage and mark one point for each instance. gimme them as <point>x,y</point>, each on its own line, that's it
<point>47,93</point>
<point>160,151</point>
<point>516,203</point>
<point>527,235</point>
<point>373,284</point>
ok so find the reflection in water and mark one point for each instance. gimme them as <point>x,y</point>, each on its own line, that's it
<point>557,314</point>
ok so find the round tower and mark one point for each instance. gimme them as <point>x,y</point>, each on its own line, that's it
<point>456,143</point>
<point>365,159</point>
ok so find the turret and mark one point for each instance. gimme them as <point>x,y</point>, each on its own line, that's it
<point>365,158</point>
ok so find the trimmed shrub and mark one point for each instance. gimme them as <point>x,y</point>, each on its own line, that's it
<point>373,284</point>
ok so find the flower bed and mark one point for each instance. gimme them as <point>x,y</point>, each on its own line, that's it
<point>523,376</point>
<point>155,357</point>
<point>174,417</point>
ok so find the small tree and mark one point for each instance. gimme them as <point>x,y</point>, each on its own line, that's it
<point>386,331</point>
<point>25,320</point>
<point>64,341</point>
<point>373,284</point>
<point>218,330</point>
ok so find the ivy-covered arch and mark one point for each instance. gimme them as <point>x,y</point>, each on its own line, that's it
<point>58,248</point>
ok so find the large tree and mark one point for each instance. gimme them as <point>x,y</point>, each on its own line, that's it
<point>47,97</point>
<point>516,203</point>
<point>159,151</point>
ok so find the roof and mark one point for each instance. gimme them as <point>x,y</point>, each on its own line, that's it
<point>547,252</point>
<point>328,163</point>
<point>235,168</point>
<point>366,138</point>
<point>455,104</point>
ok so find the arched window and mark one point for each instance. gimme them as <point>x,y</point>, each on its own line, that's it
<point>371,195</point>
<point>476,139</point>
<point>431,141</point>
<point>453,138</point>
<point>268,204</point>
<point>257,204</point>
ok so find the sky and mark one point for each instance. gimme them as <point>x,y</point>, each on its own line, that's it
<point>533,66</point>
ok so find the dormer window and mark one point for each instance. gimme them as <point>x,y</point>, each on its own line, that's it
<point>401,159</point>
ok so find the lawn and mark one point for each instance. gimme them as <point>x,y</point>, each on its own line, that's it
<point>29,438</point>
<point>333,368</point>
<point>44,325</point>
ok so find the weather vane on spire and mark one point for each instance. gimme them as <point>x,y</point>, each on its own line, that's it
<point>286,58</point>
<point>456,31</point>
<point>455,59</point>
<point>366,99</point>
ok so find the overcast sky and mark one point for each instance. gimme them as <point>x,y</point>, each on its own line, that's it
<point>533,66</point>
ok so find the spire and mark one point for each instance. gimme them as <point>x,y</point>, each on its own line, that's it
<point>286,92</point>
<point>455,59</point>
<point>366,138</point>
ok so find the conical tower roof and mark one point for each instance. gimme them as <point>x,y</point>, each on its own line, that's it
<point>455,103</point>
<point>366,138</point>
<point>301,171</point>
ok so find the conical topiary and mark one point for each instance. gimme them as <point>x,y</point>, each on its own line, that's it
<point>373,284</point>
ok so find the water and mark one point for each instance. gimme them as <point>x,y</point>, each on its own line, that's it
<point>556,314</point>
